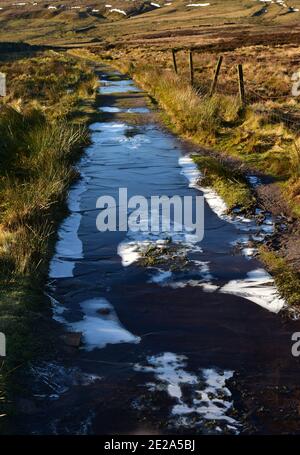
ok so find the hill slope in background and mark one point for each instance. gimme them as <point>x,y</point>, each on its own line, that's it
<point>53,22</point>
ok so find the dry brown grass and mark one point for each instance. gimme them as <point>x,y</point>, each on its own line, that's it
<point>173,25</point>
<point>263,135</point>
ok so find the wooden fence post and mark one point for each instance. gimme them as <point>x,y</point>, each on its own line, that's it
<point>2,84</point>
<point>191,67</point>
<point>241,84</point>
<point>216,75</point>
<point>174,60</point>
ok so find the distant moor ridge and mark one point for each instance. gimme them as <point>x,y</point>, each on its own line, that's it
<point>124,9</point>
<point>152,22</point>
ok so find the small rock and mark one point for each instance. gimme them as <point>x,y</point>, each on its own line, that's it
<point>104,311</point>
<point>72,339</point>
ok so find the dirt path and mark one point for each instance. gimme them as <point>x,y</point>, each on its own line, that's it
<point>192,344</point>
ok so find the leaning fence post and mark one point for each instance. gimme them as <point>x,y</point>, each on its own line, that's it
<point>174,60</point>
<point>241,83</point>
<point>191,67</point>
<point>2,84</point>
<point>216,75</point>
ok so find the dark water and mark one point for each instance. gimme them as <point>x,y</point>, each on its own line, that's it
<point>164,345</point>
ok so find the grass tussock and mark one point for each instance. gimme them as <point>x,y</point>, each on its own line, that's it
<point>192,114</point>
<point>36,170</point>
<point>295,159</point>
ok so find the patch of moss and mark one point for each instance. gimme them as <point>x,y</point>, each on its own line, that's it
<point>168,254</point>
<point>230,184</point>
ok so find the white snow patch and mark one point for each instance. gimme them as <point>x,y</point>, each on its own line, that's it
<point>198,4</point>
<point>249,252</point>
<point>206,286</point>
<point>110,109</point>
<point>57,310</point>
<point>107,126</point>
<point>161,276</point>
<point>192,173</point>
<point>216,203</point>
<point>137,243</point>
<point>208,396</point>
<point>100,330</point>
<point>259,288</point>
<point>167,368</point>
<point>134,142</point>
<point>67,249</point>
<point>117,10</point>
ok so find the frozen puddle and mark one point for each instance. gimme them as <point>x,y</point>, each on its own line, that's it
<point>117,133</point>
<point>258,286</point>
<point>51,380</point>
<point>118,86</point>
<point>92,273</point>
<point>132,110</point>
<point>99,325</point>
<point>69,248</point>
<point>161,276</point>
<point>201,400</point>
<point>110,109</point>
<point>173,241</point>
<point>132,250</point>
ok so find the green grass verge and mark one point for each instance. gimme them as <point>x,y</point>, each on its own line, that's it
<point>42,132</point>
<point>286,279</point>
<point>229,183</point>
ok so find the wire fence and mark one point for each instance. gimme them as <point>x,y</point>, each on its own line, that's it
<point>229,77</point>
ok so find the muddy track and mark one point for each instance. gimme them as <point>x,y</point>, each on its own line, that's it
<point>192,346</point>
